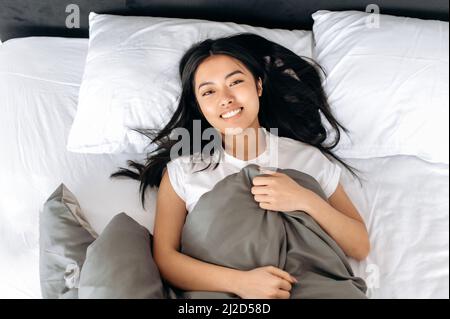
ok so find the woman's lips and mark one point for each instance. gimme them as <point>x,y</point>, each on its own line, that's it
<point>232,114</point>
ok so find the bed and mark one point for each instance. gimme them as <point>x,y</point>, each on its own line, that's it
<point>404,199</point>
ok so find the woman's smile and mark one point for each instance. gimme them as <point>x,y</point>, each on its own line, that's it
<point>233,114</point>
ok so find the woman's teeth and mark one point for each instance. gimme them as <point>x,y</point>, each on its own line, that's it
<point>231,113</point>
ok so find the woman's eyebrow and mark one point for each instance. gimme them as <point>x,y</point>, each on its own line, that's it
<point>226,77</point>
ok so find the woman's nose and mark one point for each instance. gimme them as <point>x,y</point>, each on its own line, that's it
<point>226,99</point>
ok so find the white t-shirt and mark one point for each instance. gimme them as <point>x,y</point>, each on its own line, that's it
<point>191,185</point>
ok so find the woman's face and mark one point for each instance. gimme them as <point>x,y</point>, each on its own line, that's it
<point>227,93</point>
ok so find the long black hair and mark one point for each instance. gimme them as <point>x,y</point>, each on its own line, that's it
<point>292,100</point>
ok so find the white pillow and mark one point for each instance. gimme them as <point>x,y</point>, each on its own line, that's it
<point>388,85</point>
<point>131,75</point>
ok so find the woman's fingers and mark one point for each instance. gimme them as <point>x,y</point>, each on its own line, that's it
<point>282,294</point>
<point>282,274</point>
<point>262,180</point>
<point>260,190</point>
<point>262,198</point>
<point>285,285</point>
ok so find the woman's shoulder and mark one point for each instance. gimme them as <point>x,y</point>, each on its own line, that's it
<point>186,163</point>
<point>180,163</point>
<point>179,160</point>
<point>291,147</point>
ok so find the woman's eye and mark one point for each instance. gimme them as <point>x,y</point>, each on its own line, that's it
<point>210,91</point>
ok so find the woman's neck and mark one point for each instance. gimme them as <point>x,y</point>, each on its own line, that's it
<point>247,145</point>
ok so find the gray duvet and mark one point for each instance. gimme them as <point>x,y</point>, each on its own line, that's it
<point>228,228</point>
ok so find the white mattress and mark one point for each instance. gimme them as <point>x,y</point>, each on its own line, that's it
<point>404,200</point>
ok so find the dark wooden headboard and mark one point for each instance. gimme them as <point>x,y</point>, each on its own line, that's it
<point>21,18</point>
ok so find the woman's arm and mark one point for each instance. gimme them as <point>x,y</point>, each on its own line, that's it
<point>180,270</point>
<point>341,220</point>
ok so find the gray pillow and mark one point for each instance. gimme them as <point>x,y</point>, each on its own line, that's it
<point>64,235</point>
<point>119,264</point>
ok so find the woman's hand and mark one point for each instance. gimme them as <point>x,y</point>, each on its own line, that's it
<point>279,192</point>
<point>267,282</point>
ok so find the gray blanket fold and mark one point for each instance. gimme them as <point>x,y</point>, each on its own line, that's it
<point>228,228</point>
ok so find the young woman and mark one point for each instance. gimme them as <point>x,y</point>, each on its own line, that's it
<point>237,84</point>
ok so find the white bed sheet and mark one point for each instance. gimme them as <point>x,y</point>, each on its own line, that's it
<point>405,205</point>
<point>39,83</point>
<point>404,200</point>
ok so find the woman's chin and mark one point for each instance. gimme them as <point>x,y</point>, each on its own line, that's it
<point>233,130</point>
